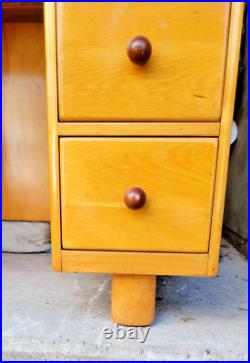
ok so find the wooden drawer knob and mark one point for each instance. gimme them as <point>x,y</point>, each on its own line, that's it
<point>139,50</point>
<point>135,198</point>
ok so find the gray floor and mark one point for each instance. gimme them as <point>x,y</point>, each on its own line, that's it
<point>53,316</point>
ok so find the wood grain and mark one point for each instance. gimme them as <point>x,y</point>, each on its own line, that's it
<point>136,307</point>
<point>138,263</point>
<point>182,81</point>
<point>19,12</point>
<point>25,155</point>
<point>225,134</point>
<point>138,129</point>
<point>52,116</point>
<point>177,175</point>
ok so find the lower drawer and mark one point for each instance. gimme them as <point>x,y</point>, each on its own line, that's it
<point>176,174</point>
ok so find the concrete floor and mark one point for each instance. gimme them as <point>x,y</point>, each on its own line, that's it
<point>53,316</point>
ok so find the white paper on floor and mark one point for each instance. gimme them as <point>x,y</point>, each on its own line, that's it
<point>25,237</point>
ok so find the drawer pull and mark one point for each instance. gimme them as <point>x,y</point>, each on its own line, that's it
<point>135,198</point>
<point>139,50</point>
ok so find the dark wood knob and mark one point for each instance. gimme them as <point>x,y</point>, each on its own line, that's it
<point>135,198</point>
<point>139,50</point>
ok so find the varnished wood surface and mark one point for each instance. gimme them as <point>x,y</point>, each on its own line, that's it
<point>138,129</point>
<point>133,299</point>
<point>52,117</point>
<point>138,263</point>
<point>147,262</point>
<point>25,143</point>
<point>225,134</point>
<point>177,175</point>
<point>182,81</point>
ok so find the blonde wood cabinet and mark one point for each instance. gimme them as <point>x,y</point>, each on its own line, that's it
<point>140,100</point>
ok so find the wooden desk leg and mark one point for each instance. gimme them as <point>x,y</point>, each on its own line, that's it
<point>133,299</point>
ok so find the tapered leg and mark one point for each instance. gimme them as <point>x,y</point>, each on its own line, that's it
<point>133,299</point>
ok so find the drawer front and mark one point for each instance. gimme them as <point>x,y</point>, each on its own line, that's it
<point>182,80</point>
<point>176,175</point>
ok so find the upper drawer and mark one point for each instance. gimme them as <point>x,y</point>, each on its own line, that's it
<point>182,80</point>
